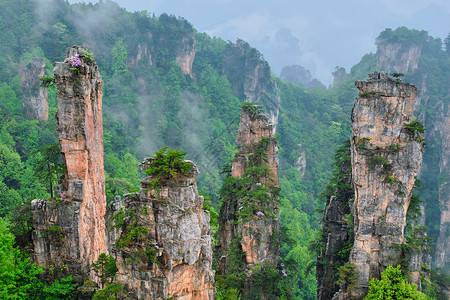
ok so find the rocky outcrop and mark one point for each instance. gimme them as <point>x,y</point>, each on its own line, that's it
<point>443,242</point>
<point>34,97</point>
<point>163,247</point>
<point>250,78</point>
<point>249,217</point>
<point>300,164</point>
<point>186,54</point>
<point>76,218</point>
<point>396,57</point>
<point>386,152</point>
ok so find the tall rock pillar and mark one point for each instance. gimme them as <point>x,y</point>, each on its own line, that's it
<point>77,217</point>
<point>161,239</point>
<point>386,149</point>
<point>249,217</point>
<point>34,97</point>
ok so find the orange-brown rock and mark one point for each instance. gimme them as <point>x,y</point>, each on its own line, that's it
<point>34,97</point>
<point>79,217</point>
<point>252,224</point>
<point>173,256</point>
<point>386,157</point>
<point>397,57</point>
<point>186,54</point>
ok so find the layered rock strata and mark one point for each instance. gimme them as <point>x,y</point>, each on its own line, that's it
<point>247,222</point>
<point>163,249</point>
<point>76,218</point>
<point>386,157</point>
<point>34,97</point>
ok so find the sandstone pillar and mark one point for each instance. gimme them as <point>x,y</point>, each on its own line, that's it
<point>34,97</point>
<point>164,248</point>
<point>77,216</point>
<point>386,156</point>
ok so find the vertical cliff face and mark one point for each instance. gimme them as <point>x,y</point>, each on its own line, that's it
<point>77,218</point>
<point>395,57</point>
<point>34,97</point>
<point>443,242</point>
<point>186,54</point>
<point>249,217</point>
<point>161,240</point>
<point>386,152</point>
<point>409,52</point>
<point>250,78</point>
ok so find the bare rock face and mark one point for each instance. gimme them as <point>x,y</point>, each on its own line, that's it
<point>393,57</point>
<point>386,156</point>
<point>164,250</point>
<point>301,163</point>
<point>250,78</point>
<point>34,97</point>
<point>443,242</point>
<point>186,54</point>
<point>247,222</point>
<point>79,217</point>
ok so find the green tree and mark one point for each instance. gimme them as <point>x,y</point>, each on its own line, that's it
<point>393,285</point>
<point>105,268</point>
<point>17,275</point>
<point>49,166</point>
<point>168,163</point>
<point>119,54</point>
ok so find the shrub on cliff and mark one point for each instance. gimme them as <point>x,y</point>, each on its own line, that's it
<point>393,285</point>
<point>168,163</point>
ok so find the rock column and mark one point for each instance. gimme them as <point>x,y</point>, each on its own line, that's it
<point>77,216</point>
<point>249,217</point>
<point>163,248</point>
<point>34,97</point>
<point>386,156</point>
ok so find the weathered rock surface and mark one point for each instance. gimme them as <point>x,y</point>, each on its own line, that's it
<point>80,215</point>
<point>404,57</point>
<point>443,242</point>
<point>172,258</point>
<point>34,97</point>
<point>186,54</point>
<point>257,233</point>
<point>386,156</point>
<point>250,78</point>
<point>395,57</point>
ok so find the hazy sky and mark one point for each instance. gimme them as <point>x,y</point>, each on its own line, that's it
<point>317,34</point>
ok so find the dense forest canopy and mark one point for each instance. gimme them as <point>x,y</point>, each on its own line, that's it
<point>152,100</point>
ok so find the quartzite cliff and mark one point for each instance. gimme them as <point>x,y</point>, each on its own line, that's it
<point>34,97</point>
<point>249,217</point>
<point>386,153</point>
<point>163,248</point>
<point>71,231</point>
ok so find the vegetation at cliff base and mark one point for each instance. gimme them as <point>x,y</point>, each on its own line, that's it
<point>393,285</point>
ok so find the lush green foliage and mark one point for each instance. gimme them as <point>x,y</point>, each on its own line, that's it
<point>393,285</point>
<point>105,268</point>
<point>150,102</point>
<point>19,277</point>
<point>168,164</point>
